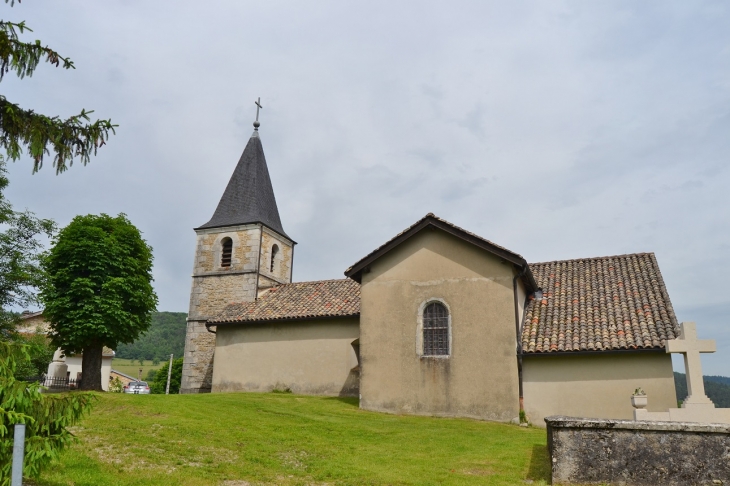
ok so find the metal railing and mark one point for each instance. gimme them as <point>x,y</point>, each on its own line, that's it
<point>54,383</point>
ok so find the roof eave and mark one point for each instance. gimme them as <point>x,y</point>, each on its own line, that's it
<point>261,223</point>
<point>279,319</point>
<point>355,271</point>
<point>588,352</point>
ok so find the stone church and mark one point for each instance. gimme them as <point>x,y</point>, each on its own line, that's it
<point>435,321</point>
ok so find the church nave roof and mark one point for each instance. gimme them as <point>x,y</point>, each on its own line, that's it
<point>300,300</point>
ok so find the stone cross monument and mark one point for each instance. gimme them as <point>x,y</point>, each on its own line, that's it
<point>688,344</point>
<point>697,407</point>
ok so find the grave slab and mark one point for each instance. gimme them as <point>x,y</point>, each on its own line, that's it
<point>625,452</point>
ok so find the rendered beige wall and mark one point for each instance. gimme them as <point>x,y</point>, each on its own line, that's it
<point>310,357</point>
<point>479,378</point>
<point>595,386</point>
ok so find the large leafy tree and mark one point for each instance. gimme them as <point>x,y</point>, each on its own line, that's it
<point>99,289</point>
<point>39,134</point>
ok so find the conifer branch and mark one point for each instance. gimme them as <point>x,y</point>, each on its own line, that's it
<point>66,138</point>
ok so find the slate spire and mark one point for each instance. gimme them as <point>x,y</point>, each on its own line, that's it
<point>249,196</point>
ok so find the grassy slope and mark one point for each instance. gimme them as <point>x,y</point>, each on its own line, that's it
<point>131,367</point>
<point>288,439</point>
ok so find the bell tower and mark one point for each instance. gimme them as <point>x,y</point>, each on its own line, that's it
<point>240,252</point>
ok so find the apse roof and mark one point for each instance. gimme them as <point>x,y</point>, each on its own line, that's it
<point>249,196</point>
<point>355,271</point>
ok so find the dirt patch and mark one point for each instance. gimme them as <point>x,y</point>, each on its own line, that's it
<point>294,459</point>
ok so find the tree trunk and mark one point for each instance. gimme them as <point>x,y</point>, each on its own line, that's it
<point>91,368</point>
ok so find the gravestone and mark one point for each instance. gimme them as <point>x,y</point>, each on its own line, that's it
<point>697,407</point>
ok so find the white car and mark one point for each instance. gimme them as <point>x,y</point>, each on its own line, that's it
<point>137,387</point>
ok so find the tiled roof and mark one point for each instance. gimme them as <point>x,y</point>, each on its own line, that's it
<point>590,304</point>
<point>301,300</point>
<point>598,304</point>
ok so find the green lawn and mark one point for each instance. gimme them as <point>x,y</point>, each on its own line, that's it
<point>131,366</point>
<point>277,438</point>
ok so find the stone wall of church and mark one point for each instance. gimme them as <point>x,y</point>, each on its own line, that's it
<point>215,286</point>
<point>282,260</point>
<point>479,376</point>
<point>596,386</point>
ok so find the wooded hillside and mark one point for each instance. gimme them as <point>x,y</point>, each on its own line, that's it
<point>717,388</point>
<point>166,336</point>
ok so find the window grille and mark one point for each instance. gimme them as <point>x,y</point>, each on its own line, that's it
<point>435,330</point>
<point>274,251</point>
<point>227,247</point>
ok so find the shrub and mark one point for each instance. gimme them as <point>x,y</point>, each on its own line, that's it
<point>46,417</point>
<point>160,382</point>
<point>116,386</point>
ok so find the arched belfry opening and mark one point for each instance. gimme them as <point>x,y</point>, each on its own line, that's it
<point>274,253</point>
<point>226,251</point>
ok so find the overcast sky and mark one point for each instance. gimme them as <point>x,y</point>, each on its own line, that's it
<point>556,129</point>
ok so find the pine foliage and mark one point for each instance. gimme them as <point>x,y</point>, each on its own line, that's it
<point>20,128</point>
<point>47,417</point>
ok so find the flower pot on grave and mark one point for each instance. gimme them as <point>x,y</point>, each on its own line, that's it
<point>639,401</point>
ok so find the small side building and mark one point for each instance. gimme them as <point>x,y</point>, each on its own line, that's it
<point>594,333</point>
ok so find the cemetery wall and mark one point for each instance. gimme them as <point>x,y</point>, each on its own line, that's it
<point>585,451</point>
<point>598,386</point>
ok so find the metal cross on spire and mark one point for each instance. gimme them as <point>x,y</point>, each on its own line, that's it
<point>256,124</point>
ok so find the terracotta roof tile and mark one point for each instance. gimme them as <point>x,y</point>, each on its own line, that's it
<point>591,304</point>
<point>596,304</point>
<point>301,300</point>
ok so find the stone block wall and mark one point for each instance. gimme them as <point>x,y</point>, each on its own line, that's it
<point>282,268</point>
<point>595,451</point>
<point>214,287</point>
<point>197,373</point>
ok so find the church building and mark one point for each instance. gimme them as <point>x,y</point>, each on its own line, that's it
<point>435,321</point>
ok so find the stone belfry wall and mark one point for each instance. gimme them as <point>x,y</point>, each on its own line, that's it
<point>215,286</point>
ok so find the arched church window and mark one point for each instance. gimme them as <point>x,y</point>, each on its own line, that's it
<point>435,330</point>
<point>274,252</point>
<point>226,251</point>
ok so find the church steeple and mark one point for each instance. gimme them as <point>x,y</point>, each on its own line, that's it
<point>249,196</point>
<point>240,253</point>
